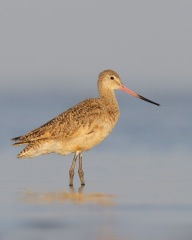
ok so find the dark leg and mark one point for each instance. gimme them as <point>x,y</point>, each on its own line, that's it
<point>72,170</point>
<point>80,171</point>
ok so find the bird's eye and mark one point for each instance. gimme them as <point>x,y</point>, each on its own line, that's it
<point>112,78</point>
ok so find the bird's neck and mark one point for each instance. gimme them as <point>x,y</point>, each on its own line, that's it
<point>109,97</point>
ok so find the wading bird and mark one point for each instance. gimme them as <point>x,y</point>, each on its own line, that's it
<point>79,128</point>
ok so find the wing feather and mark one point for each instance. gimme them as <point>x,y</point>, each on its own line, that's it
<point>76,120</point>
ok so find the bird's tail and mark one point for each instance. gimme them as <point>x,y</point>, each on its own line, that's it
<point>18,141</point>
<point>27,152</point>
<point>16,138</point>
<point>33,149</point>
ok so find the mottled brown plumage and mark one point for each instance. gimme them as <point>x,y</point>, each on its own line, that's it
<point>79,128</point>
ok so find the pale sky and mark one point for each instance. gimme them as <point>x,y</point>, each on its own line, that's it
<point>147,40</point>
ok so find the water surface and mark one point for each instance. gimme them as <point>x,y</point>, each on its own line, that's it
<point>138,181</point>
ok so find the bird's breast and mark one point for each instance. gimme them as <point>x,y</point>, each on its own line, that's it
<point>86,137</point>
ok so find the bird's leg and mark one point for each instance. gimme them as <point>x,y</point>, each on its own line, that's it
<point>80,170</point>
<point>72,170</point>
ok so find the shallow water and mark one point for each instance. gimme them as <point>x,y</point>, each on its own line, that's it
<point>138,181</point>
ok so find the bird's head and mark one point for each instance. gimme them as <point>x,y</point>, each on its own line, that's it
<point>109,79</point>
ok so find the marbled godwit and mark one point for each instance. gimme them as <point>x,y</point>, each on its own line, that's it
<point>79,128</point>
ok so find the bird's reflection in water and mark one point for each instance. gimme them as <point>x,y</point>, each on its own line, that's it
<point>104,229</point>
<point>73,195</point>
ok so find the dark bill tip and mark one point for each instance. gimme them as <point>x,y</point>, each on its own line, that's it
<point>147,100</point>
